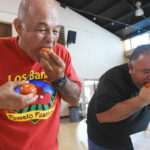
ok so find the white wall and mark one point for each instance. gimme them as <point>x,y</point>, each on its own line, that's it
<point>8,11</point>
<point>95,50</point>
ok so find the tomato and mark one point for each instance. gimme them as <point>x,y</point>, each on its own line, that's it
<point>28,88</point>
<point>147,84</point>
<point>47,50</point>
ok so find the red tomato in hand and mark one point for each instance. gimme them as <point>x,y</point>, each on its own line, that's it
<point>28,88</point>
<point>147,84</point>
<point>47,50</point>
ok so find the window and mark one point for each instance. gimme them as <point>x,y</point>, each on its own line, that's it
<point>90,87</point>
<point>132,43</point>
<point>127,44</point>
<point>139,40</point>
<point>5,30</point>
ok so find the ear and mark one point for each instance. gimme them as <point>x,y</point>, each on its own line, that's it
<point>18,26</point>
<point>130,65</point>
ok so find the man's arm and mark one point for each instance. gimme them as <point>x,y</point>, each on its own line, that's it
<point>54,68</point>
<point>125,109</point>
<point>70,92</point>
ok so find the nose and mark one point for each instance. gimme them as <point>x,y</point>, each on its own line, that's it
<point>49,36</point>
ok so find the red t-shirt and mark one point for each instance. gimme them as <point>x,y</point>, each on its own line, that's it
<point>35,126</point>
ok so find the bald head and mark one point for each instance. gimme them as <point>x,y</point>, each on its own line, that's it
<point>27,5</point>
<point>37,26</point>
<point>140,50</point>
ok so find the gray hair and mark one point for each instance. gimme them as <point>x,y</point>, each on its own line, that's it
<point>24,7</point>
<point>137,52</point>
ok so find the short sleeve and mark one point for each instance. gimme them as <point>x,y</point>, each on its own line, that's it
<point>108,94</point>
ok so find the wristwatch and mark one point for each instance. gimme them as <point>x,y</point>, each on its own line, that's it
<point>60,82</point>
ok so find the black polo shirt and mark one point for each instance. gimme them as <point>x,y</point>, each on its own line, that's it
<point>115,86</point>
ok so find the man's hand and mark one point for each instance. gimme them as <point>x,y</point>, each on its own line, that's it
<point>126,108</point>
<point>9,100</point>
<point>53,65</point>
<point>54,69</point>
<point>144,95</point>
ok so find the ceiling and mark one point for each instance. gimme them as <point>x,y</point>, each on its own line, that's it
<point>116,16</point>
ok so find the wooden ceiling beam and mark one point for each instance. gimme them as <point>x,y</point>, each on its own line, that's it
<point>109,8</point>
<point>121,18</point>
<point>86,4</point>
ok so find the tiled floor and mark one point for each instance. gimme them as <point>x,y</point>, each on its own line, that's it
<point>67,135</point>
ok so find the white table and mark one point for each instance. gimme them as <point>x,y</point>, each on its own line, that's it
<point>141,140</point>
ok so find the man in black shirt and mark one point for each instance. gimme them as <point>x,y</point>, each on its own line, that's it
<point>120,106</point>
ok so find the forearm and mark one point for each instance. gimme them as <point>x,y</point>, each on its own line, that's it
<point>70,92</point>
<point>121,110</point>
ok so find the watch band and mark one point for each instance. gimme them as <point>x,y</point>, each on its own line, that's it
<point>60,82</point>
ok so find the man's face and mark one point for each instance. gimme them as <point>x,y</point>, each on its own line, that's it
<point>40,29</point>
<point>140,70</point>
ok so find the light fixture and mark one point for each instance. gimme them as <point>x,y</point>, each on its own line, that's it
<point>139,11</point>
<point>112,23</point>
<point>94,18</point>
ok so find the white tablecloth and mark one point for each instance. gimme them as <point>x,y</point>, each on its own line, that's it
<point>141,140</point>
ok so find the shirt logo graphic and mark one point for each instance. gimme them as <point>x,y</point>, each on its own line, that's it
<point>43,108</point>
